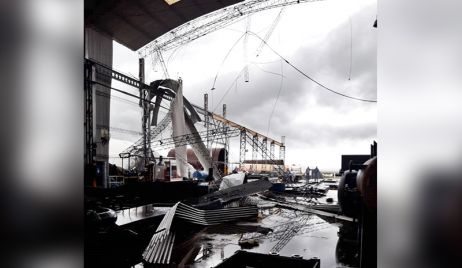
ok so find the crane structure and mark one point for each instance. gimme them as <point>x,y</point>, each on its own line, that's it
<point>210,22</point>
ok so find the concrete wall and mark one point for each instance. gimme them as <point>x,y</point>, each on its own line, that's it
<point>99,47</point>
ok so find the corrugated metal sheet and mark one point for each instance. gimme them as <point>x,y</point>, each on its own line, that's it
<point>215,216</point>
<point>160,247</point>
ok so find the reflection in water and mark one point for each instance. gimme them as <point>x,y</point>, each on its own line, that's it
<point>316,238</point>
<point>331,242</point>
<point>347,249</point>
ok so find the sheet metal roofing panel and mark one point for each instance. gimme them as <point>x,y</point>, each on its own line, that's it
<point>161,244</point>
<point>160,247</point>
<point>215,216</point>
<point>135,23</point>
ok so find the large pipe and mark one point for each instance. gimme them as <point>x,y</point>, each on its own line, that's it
<point>179,129</point>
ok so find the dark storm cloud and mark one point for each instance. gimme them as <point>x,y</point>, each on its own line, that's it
<point>330,64</point>
<point>312,134</point>
<point>327,61</point>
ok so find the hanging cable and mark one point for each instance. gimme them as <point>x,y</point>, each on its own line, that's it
<point>277,97</point>
<point>279,92</point>
<point>265,71</point>
<point>307,76</point>
<point>113,97</point>
<point>246,57</point>
<point>176,51</point>
<point>224,59</point>
<point>229,88</point>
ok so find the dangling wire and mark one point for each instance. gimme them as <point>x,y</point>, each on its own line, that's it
<point>266,71</point>
<point>224,59</point>
<point>277,97</point>
<point>234,83</point>
<point>307,76</point>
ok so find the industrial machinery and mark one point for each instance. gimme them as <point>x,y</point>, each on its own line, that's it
<point>357,196</point>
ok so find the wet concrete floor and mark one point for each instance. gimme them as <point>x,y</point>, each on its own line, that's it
<point>315,238</point>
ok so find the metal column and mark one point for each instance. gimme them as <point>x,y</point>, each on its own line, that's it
<point>264,149</point>
<point>254,150</point>
<point>88,123</point>
<point>225,130</point>
<point>206,118</point>
<point>242,149</point>
<point>146,122</point>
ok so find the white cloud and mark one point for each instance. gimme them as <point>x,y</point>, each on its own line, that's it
<point>319,126</point>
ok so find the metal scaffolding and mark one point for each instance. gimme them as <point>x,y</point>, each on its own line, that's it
<point>259,147</point>
<point>282,149</point>
<point>145,97</point>
<point>242,149</point>
<point>271,148</point>
<point>254,149</point>
<point>264,150</point>
<point>189,139</point>
<point>211,22</point>
<point>218,129</point>
<point>206,116</point>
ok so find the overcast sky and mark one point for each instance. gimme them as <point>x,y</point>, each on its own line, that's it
<point>316,37</point>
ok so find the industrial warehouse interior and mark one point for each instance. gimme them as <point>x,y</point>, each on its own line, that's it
<point>231,133</point>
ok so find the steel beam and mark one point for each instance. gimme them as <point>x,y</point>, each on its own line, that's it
<point>241,127</point>
<point>88,123</point>
<point>210,22</point>
<point>191,138</point>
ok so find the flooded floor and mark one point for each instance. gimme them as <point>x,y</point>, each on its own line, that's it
<point>292,233</point>
<point>276,231</point>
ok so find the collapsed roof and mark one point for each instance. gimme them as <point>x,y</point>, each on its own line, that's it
<point>135,23</point>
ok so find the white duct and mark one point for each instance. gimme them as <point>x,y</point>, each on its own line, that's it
<point>201,151</point>
<point>179,129</point>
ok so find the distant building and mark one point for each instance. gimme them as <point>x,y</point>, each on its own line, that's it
<point>357,159</point>
<point>261,165</point>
